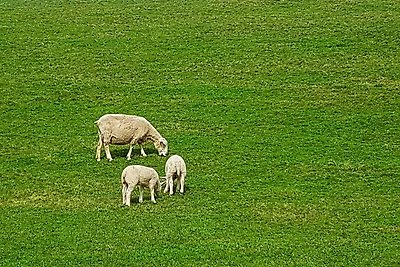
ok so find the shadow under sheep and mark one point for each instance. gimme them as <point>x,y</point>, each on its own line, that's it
<point>159,196</point>
<point>122,152</point>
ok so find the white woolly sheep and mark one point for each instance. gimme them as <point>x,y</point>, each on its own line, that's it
<point>137,175</point>
<point>175,168</point>
<point>120,129</point>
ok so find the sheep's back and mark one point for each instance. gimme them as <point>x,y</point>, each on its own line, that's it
<point>121,129</point>
<point>175,164</point>
<point>139,175</point>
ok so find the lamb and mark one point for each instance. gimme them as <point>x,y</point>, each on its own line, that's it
<point>120,129</point>
<point>175,168</point>
<point>137,175</point>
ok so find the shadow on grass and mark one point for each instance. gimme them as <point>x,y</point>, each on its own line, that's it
<point>122,151</point>
<point>160,197</point>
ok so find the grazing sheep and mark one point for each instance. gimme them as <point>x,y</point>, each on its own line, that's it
<point>120,129</point>
<point>137,175</point>
<point>175,168</point>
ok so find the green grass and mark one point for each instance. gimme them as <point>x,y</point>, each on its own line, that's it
<point>286,112</point>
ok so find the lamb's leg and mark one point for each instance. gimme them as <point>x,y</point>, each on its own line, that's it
<point>178,183</point>
<point>128,195</point>
<point>182,183</point>
<point>142,151</point>
<point>98,150</point>
<point>166,184</point>
<point>153,199</point>
<point>171,185</point>
<point>123,194</point>
<point>141,194</point>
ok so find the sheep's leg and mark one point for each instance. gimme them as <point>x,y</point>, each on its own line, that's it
<point>124,189</point>
<point>142,151</point>
<point>158,188</point>
<point>171,185</point>
<point>131,144</point>
<point>128,195</point>
<point>166,184</point>
<point>123,192</point>
<point>108,154</point>
<point>106,140</point>
<point>98,150</point>
<point>166,187</point>
<point>141,194</point>
<point>128,157</point>
<point>153,199</point>
<point>182,183</point>
<point>178,184</point>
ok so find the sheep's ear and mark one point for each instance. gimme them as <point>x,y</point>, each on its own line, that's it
<point>163,141</point>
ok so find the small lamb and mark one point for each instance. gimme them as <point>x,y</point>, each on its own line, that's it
<point>120,129</point>
<point>137,175</point>
<point>175,168</point>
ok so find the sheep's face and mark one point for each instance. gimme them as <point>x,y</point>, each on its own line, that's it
<point>162,147</point>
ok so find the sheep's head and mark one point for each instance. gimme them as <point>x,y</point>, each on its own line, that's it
<point>161,146</point>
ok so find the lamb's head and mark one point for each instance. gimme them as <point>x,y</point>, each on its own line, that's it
<point>162,146</point>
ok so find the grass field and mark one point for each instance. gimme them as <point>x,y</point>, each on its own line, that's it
<point>286,112</point>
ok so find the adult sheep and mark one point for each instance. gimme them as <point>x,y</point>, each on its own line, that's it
<point>120,129</point>
<point>175,169</point>
<point>137,175</point>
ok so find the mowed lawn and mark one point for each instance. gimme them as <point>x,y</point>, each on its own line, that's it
<point>286,112</point>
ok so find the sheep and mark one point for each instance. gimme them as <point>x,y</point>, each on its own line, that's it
<point>175,168</point>
<point>120,129</point>
<point>137,175</point>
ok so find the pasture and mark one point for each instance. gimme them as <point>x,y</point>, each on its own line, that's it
<point>286,113</point>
